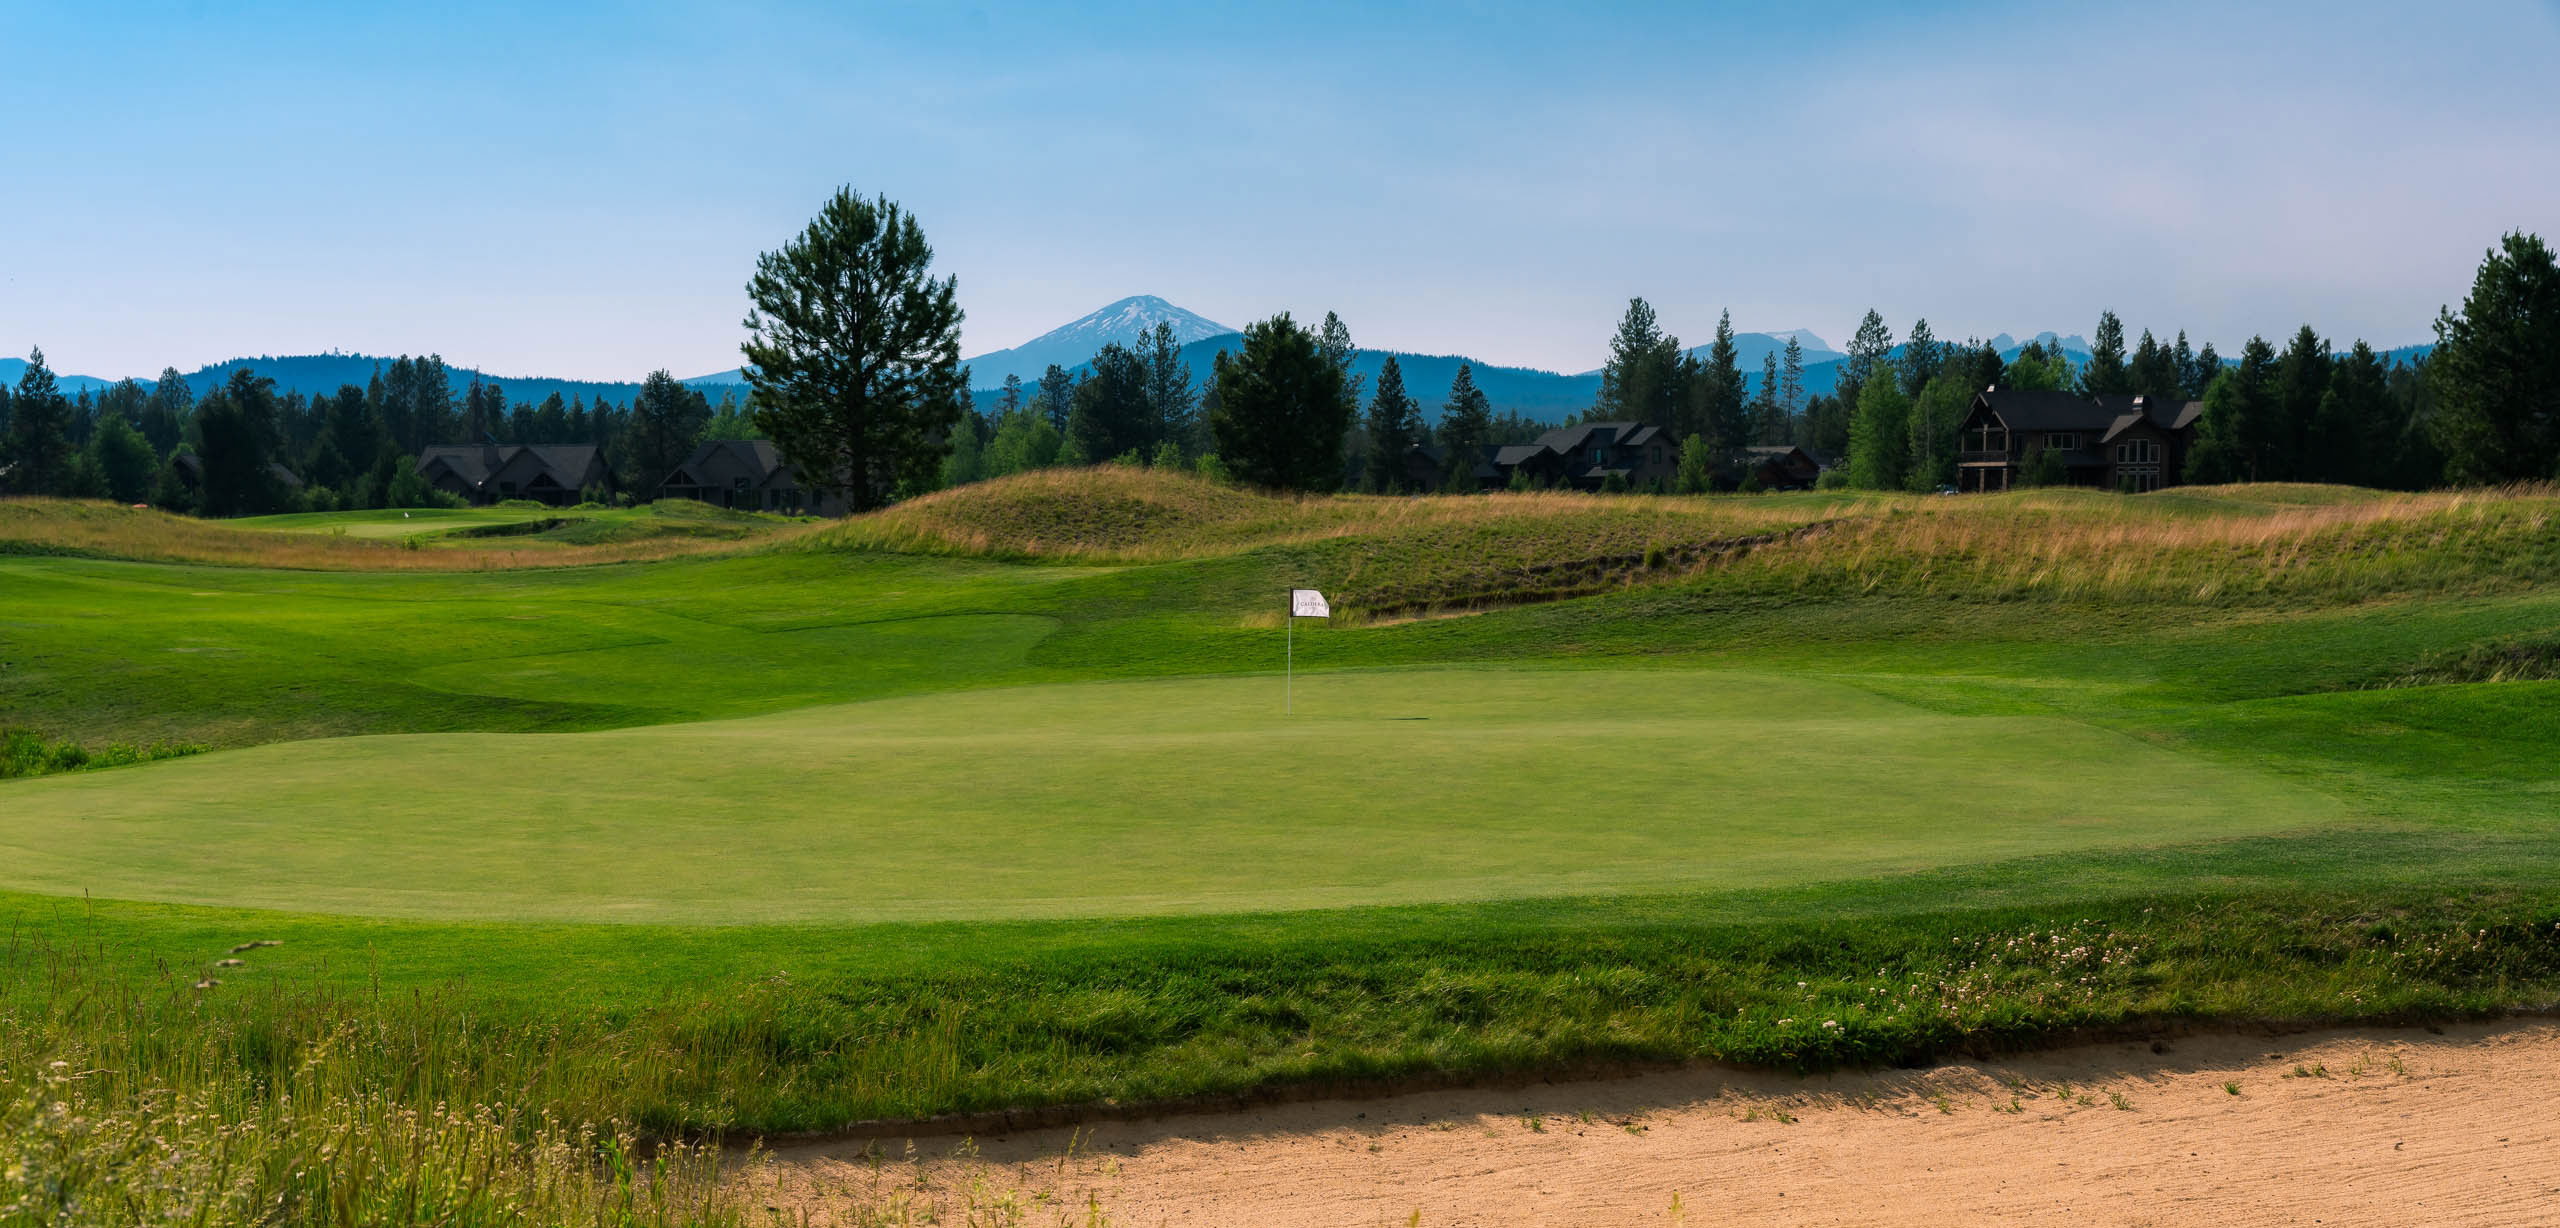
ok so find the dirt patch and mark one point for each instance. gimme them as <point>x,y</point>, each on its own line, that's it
<point>2348,1127</point>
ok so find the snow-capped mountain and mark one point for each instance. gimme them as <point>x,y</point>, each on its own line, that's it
<point>1125,321</point>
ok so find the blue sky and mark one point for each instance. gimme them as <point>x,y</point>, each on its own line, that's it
<point>581,191</point>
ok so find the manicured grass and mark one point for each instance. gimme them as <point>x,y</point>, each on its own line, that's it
<point>1135,797</point>
<point>984,802</point>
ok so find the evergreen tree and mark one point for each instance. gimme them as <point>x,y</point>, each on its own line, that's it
<point>667,420</point>
<point>37,456</point>
<point>238,424</point>
<point>1280,417</point>
<point>123,460</point>
<point>1920,355</point>
<point>1641,382</point>
<point>2357,427</point>
<point>2495,372</point>
<point>1791,379</point>
<point>2038,369</point>
<point>2208,365</point>
<point>1057,396</point>
<point>2237,435</point>
<point>1334,340</point>
<point>1011,398</point>
<point>2106,374</point>
<point>1023,441</point>
<point>1868,349</point>
<point>1169,390</point>
<point>2153,372</point>
<point>1770,422</point>
<point>2302,379</point>
<point>1114,410</point>
<point>1394,426</point>
<point>1466,418</point>
<point>854,352</point>
<point>1826,427</point>
<point>1880,434</point>
<point>1728,420</point>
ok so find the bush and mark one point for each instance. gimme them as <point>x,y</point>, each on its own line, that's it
<point>1834,478</point>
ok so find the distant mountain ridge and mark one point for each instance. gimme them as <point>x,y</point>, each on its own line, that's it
<point>318,374</point>
<point>1070,345</point>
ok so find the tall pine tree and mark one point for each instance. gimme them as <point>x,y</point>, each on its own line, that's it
<point>38,456</point>
<point>2495,372</point>
<point>1394,426</point>
<point>2106,374</point>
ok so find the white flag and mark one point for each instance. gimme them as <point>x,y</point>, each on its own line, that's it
<point>1308,603</point>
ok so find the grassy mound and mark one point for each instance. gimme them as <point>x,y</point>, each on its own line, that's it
<point>426,539</point>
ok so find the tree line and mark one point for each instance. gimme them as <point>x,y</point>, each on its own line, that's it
<point>245,449</point>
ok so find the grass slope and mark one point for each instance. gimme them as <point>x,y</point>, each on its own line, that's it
<point>1137,797</point>
<point>1922,756</point>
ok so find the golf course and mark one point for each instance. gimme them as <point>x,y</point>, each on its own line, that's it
<point>699,827</point>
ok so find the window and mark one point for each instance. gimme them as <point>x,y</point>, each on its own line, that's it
<point>2138,452</point>
<point>2065,440</point>
<point>2138,478</point>
<point>1986,438</point>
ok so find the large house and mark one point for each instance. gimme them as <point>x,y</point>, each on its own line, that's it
<point>2112,442</point>
<point>557,474</point>
<point>748,474</point>
<point>1585,457</point>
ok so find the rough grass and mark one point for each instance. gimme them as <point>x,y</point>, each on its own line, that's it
<point>113,531</point>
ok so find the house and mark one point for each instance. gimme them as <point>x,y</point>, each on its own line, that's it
<point>1777,467</point>
<point>1426,467</point>
<point>2115,443</point>
<point>1591,453</point>
<point>748,474</point>
<point>556,474</point>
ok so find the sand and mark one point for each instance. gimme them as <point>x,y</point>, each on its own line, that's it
<point>2460,1126</point>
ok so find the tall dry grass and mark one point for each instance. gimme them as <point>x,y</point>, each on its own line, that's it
<point>107,530</point>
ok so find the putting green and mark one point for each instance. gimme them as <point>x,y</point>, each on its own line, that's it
<point>1189,795</point>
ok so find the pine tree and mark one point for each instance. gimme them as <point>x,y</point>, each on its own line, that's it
<point>1466,424</point>
<point>1641,381</point>
<point>1769,420</point>
<point>1920,357</point>
<point>2153,371</point>
<point>1011,399</point>
<point>967,462</point>
<point>1728,421</point>
<point>1114,411</point>
<point>667,420</point>
<point>1280,417</point>
<point>2495,372</point>
<point>1937,415</point>
<point>1334,341</point>
<point>2106,374</point>
<point>1169,391</point>
<point>1868,348</point>
<point>2235,437</point>
<point>237,423</point>
<point>37,453</point>
<point>1057,396</point>
<point>1791,379</point>
<point>2302,379</point>
<point>1394,424</point>
<point>2357,428</point>
<point>854,352</point>
<point>123,460</point>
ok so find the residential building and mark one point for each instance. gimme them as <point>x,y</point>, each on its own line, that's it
<point>2018,436</point>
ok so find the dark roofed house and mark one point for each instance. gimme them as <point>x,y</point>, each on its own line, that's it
<point>1783,467</point>
<point>747,474</point>
<point>1591,452</point>
<point>486,473</point>
<point>2115,442</point>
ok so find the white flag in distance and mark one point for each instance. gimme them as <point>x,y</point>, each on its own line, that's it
<point>1308,603</point>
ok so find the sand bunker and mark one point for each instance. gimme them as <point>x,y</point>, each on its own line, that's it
<point>2344,1127</point>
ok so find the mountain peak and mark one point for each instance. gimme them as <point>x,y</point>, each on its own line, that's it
<point>1126,321</point>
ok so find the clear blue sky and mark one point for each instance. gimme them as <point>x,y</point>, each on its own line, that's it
<point>581,191</point>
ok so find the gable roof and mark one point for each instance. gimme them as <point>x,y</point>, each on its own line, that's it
<point>2042,409</point>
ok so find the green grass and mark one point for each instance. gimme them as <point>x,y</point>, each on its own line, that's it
<point>1137,797</point>
<point>986,802</point>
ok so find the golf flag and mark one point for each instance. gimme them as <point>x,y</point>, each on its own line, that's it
<point>1303,603</point>
<point>1308,603</point>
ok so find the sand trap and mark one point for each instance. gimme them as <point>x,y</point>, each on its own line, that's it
<point>2348,1127</point>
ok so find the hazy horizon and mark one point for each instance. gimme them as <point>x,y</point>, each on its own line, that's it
<point>580,193</point>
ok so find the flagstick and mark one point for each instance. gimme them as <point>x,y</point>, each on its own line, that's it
<point>1289,686</point>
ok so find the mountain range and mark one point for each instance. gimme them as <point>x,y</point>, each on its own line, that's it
<point>1527,391</point>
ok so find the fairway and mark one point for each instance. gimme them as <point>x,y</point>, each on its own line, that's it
<point>1117,798</point>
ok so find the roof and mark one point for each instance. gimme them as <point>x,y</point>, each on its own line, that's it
<point>720,462</point>
<point>2041,409</point>
<point>569,466</point>
<point>472,462</point>
<point>1517,453</point>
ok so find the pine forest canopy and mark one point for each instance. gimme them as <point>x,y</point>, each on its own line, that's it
<point>864,381</point>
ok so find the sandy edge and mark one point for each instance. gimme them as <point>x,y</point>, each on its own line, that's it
<point>2458,1125</point>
